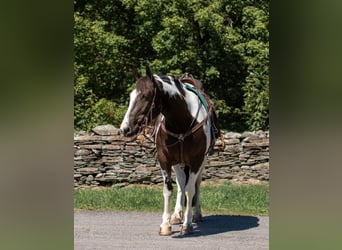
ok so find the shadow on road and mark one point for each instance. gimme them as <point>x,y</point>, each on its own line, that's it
<point>216,224</point>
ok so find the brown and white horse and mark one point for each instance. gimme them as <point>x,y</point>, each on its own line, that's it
<point>182,137</point>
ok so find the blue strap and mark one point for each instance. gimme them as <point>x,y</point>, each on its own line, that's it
<point>200,96</point>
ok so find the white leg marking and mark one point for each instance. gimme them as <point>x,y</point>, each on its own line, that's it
<point>180,179</point>
<point>166,214</point>
<point>167,196</point>
<point>189,193</point>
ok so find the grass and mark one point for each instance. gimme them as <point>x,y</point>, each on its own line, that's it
<point>236,199</point>
<point>215,199</point>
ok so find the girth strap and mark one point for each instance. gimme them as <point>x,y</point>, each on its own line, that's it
<point>181,137</point>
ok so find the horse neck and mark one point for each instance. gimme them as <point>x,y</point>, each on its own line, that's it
<point>174,108</point>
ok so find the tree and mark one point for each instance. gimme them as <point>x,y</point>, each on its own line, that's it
<point>100,73</point>
<point>224,43</point>
<point>256,54</point>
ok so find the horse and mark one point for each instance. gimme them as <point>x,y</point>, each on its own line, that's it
<point>182,137</point>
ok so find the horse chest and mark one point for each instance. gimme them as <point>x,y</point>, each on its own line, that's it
<point>189,151</point>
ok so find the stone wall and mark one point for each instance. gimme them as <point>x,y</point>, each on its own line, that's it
<point>106,160</point>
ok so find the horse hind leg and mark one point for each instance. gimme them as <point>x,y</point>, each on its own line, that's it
<point>177,218</point>
<point>197,217</point>
<point>187,227</point>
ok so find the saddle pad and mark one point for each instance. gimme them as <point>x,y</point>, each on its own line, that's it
<point>200,96</point>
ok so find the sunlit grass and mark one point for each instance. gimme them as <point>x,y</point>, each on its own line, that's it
<point>216,199</point>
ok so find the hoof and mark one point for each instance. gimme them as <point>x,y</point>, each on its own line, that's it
<point>176,219</point>
<point>165,230</point>
<point>185,230</point>
<point>197,218</point>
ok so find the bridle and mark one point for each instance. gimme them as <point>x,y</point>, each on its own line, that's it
<point>149,115</point>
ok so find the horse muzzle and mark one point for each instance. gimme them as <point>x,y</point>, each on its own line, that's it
<point>128,131</point>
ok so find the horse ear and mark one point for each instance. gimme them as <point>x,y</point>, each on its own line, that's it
<point>150,75</point>
<point>149,72</point>
<point>136,73</point>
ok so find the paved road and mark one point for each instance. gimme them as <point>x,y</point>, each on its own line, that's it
<point>136,230</point>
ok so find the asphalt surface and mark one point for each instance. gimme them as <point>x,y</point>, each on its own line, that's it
<point>138,230</point>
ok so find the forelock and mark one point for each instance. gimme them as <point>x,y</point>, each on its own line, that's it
<point>144,84</point>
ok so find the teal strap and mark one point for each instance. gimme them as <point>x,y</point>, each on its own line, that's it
<point>200,96</point>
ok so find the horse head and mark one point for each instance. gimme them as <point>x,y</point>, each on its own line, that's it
<point>143,105</point>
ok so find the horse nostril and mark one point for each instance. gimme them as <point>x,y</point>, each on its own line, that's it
<point>126,130</point>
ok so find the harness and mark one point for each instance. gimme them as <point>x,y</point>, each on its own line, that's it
<point>181,137</point>
<point>192,129</point>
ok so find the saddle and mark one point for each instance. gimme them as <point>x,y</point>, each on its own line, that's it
<point>187,78</point>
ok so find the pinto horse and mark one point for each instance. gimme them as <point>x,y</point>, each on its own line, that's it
<point>182,137</point>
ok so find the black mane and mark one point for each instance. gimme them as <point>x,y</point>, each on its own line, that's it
<point>178,84</point>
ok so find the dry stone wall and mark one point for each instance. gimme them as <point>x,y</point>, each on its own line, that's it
<point>105,159</point>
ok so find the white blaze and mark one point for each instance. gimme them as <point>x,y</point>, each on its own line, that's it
<point>125,122</point>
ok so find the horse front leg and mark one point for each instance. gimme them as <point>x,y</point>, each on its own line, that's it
<point>177,216</point>
<point>165,227</point>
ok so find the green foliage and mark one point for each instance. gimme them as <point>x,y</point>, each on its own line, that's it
<point>84,101</point>
<point>256,54</point>
<point>224,43</point>
<point>89,111</point>
<point>257,101</point>
<point>107,112</point>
